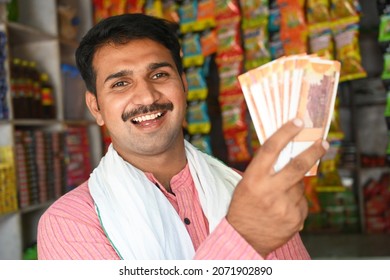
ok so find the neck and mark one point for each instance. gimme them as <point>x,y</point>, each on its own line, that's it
<point>163,166</point>
<point>163,169</point>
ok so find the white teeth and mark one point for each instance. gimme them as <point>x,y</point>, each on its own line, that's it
<point>147,117</point>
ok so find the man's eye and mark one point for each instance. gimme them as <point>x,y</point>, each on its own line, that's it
<point>159,75</point>
<point>120,84</point>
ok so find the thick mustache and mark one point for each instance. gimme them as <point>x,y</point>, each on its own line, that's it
<point>147,109</point>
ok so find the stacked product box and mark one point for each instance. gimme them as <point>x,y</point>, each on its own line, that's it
<point>376,202</point>
<point>27,173</point>
<point>77,156</point>
<point>4,112</point>
<point>58,141</point>
<point>8,195</point>
<point>40,166</point>
<point>40,160</point>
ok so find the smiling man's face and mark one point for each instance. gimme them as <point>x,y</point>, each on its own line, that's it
<point>141,97</point>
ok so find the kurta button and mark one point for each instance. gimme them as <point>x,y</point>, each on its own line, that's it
<point>187,221</point>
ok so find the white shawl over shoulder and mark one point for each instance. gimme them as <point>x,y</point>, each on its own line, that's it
<point>138,219</point>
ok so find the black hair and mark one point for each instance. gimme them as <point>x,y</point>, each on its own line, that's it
<point>122,29</point>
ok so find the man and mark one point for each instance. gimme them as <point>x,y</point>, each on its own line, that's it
<point>153,195</point>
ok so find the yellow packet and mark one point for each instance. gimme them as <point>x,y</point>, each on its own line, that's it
<point>346,36</point>
<point>340,9</point>
<point>321,41</point>
<point>317,11</point>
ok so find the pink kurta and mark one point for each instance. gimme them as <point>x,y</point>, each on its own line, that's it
<point>70,228</point>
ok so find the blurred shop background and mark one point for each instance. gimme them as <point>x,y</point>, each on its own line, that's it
<point>49,143</point>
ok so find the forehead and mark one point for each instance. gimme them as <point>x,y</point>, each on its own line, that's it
<point>134,49</point>
<point>135,54</point>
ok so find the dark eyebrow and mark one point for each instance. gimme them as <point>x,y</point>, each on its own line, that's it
<point>151,66</point>
<point>154,66</point>
<point>118,75</point>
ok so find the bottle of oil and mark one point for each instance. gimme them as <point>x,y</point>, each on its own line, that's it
<point>27,89</point>
<point>15,88</point>
<point>36,89</point>
<point>48,104</point>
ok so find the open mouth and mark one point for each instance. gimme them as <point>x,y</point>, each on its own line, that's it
<point>147,118</point>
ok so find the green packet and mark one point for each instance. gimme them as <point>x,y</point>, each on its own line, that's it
<point>387,109</point>
<point>384,28</point>
<point>386,67</point>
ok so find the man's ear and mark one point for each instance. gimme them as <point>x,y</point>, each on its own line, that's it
<point>93,106</point>
<point>184,81</point>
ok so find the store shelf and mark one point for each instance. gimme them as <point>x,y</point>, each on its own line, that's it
<point>35,122</point>
<point>36,207</point>
<point>22,34</point>
<point>35,37</point>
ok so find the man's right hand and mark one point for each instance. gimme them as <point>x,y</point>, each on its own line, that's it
<point>268,208</point>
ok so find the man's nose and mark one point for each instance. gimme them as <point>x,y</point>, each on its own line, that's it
<point>145,93</point>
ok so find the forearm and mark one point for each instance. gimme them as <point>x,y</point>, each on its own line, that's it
<point>225,243</point>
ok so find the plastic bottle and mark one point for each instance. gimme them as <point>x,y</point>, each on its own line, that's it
<point>15,88</point>
<point>27,89</point>
<point>23,107</point>
<point>48,104</point>
<point>36,89</point>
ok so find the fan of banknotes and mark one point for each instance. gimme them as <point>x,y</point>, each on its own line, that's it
<point>303,86</point>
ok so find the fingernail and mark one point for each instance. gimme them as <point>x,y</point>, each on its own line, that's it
<point>298,122</point>
<point>325,144</point>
